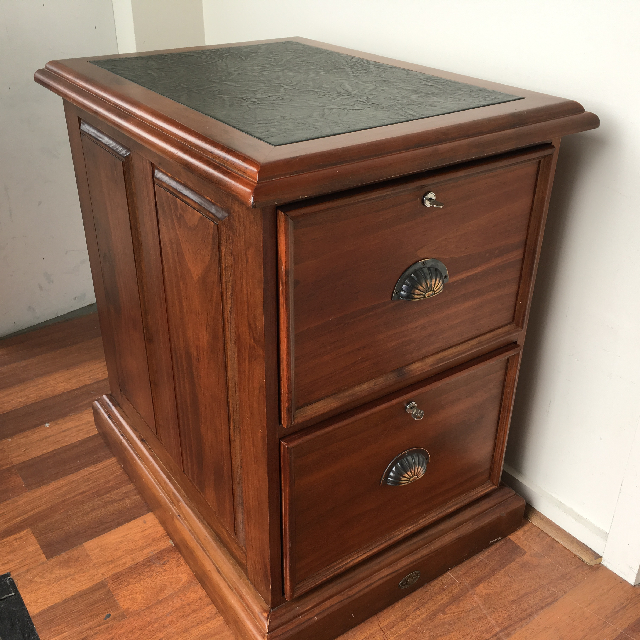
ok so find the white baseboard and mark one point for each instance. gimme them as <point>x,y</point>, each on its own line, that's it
<point>558,512</point>
<point>622,554</point>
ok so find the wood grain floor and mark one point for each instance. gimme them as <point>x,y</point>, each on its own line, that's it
<point>92,562</point>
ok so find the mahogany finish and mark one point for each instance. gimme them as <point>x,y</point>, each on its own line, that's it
<point>189,243</point>
<point>332,477</point>
<point>259,368</point>
<point>346,255</point>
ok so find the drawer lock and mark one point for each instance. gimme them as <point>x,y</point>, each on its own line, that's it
<point>429,200</point>
<point>406,468</point>
<point>412,409</point>
<point>423,279</point>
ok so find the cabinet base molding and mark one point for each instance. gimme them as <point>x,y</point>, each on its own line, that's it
<point>326,611</point>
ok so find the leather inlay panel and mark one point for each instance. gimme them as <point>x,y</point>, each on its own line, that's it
<point>285,92</point>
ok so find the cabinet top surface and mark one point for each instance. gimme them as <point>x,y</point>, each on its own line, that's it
<point>286,92</point>
<point>279,120</point>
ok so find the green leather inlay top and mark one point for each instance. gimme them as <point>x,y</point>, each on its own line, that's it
<point>285,92</point>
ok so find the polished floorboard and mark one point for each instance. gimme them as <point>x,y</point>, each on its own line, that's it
<point>92,562</point>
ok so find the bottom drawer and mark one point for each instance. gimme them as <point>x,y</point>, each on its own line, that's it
<point>360,484</point>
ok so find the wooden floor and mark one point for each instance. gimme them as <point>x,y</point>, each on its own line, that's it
<point>92,562</point>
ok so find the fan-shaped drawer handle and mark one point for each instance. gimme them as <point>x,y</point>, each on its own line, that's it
<point>412,409</point>
<point>429,200</point>
<point>423,279</point>
<point>406,468</point>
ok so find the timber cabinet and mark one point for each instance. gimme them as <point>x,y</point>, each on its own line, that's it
<point>313,270</point>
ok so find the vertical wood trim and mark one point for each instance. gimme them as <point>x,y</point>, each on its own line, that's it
<point>227,282</point>
<point>154,309</point>
<point>111,200</point>
<point>506,407</point>
<point>112,210</point>
<point>253,234</point>
<point>544,182</point>
<point>287,462</point>
<point>285,307</point>
<point>72,115</point>
<point>270,314</point>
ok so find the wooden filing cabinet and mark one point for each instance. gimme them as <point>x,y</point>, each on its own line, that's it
<point>313,270</point>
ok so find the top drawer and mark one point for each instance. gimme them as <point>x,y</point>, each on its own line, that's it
<point>343,338</point>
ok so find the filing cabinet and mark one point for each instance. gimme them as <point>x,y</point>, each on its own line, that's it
<point>313,270</point>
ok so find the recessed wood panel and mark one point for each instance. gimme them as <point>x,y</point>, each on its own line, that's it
<point>341,259</point>
<point>191,268</point>
<point>337,509</point>
<point>107,177</point>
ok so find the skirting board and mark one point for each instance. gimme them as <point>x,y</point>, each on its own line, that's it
<point>586,554</point>
<point>331,609</point>
<point>559,513</point>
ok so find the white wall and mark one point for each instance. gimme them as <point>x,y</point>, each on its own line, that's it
<point>44,269</point>
<point>578,404</point>
<point>167,24</point>
<point>147,25</point>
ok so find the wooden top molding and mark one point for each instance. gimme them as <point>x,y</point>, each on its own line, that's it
<point>259,173</point>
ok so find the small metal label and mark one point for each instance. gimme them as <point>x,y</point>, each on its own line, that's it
<point>409,580</point>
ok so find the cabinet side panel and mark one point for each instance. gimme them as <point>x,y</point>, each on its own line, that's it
<point>107,180</point>
<point>148,261</point>
<point>191,266</point>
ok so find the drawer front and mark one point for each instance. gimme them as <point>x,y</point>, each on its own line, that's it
<point>342,500</point>
<point>343,335</point>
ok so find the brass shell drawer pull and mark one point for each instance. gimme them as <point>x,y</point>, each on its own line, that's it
<point>423,279</point>
<point>429,200</point>
<point>406,468</point>
<point>412,409</point>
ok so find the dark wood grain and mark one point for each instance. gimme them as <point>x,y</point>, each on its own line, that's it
<point>68,505</point>
<point>332,477</point>
<point>51,408</point>
<point>535,235</point>
<point>144,233</point>
<point>140,431</point>
<point>75,522</point>
<point>506,407</point>
<point>110,205</point>
<point>250,246</point>
<point>37,343</point>
<point>11,484</point>
<point>348,254</point>
<point>63,461</point>
<point>86,612</point>
<point>191,267</point>
<point>73,119</point>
